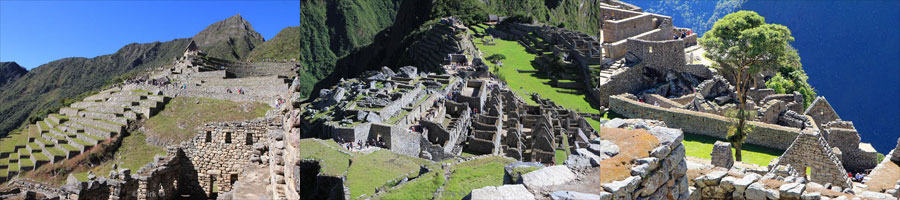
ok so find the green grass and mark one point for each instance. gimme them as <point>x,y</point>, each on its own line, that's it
<point>56,152</point>
<point>561,156</point>
<point>332,161</point>
<point>69,147</point>
<point>26,162</point>
<point>13,166</point>
<point>133,154</point>
<point>474,174</point>
<point>701,146</point>
<point>520,83</point>
<point>182,114</point>
<point>9,142</point>
<point>81,176</point>
<point>376,169</point>
<point>40,157</point>
<point>422,187</point>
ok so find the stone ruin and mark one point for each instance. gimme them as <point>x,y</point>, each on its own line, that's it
<point>721,155</point>
<point>811,152</point>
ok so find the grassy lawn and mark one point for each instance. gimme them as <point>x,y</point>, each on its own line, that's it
<point>420,188</point>
<point>701,146</point>
<point>475,174</point>
<point>133,154</point>
<point>520,83</point>
<point>374,170</point>
<point>182,115</point>
<point>332,162</point>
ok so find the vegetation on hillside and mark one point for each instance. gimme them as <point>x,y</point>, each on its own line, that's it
<point>42,89</point>
<point>9,72</point>
<point>332,29</point>
<point>284,46</point>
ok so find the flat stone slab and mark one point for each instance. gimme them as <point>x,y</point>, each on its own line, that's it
<point>548,176</point>
<point>511,192</point>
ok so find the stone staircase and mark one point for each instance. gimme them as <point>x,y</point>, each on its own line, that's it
<point>76,129</point>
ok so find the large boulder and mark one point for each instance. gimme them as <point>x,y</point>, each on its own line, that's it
<point>756,191</point>
<point>572,195</point>
<point>721,155</point>
<point>603,147</point>
<point>408,72</point>
<point>511,192</point>
<point>792,191</point>
<point>555,175</point>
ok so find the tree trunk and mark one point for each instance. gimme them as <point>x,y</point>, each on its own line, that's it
<point>737,153</point>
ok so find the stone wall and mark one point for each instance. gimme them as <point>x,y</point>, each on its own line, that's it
<point>810,150</point>
<point>667,55</point>
<point>767,135</point>
<point>220,151</point>
<point>660,176</point>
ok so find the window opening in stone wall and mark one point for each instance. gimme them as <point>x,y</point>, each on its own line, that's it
<point>651,49</point>
<point>249,139</point>
<point>234,178</point>
<point>208,136</point>
<point>228,137</point>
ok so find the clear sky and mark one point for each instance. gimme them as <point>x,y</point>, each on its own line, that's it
<point>33,33</point>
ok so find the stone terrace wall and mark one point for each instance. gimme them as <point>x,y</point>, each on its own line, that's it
<point>660,176</point>
<point>767,135</point>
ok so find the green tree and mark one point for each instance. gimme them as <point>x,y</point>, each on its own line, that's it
<point>494,58</point>
<point>471,12</point>
<point>742,45</point>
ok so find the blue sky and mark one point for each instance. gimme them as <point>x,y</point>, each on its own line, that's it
<point>33,33</point>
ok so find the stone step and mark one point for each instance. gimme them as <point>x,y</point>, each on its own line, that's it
<point>86,104</point>
<point>56,118</point>
<point>91,130</point>
<point>54,154</point>
<point>80,144</point>
<point>102,124</point>
<point>105,109</point>
<point>112,117</point>
<point>53,138</point>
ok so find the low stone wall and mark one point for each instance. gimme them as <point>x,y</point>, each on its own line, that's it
<point>660,176</point>
<point>767,135</point>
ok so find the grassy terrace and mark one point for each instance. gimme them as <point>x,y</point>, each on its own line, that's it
<point>422,187</point>
<point>56,152</point>
<point>333,162</point>
<point>521,83</point>
<point>133,154</point>
<point>475,174</point>
<point>701,146</point>
<point>179,117</point>
<point>376,169</point>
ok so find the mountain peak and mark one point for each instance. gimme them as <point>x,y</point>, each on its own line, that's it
<point>10,71</point>
<point>234,31</point>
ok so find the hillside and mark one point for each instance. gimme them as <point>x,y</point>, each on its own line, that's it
<point>284,46</point>
<point>332,29</point>
<point>46,85</point>
<point>230,39</point>
<point>9,72</point>
<point>42,90</point>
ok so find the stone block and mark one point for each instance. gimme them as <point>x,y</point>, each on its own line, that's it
<point>721,155</point>
<point>548,176</point>
<point>512,192</point>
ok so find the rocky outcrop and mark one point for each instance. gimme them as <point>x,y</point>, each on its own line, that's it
<point>9,72</point>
